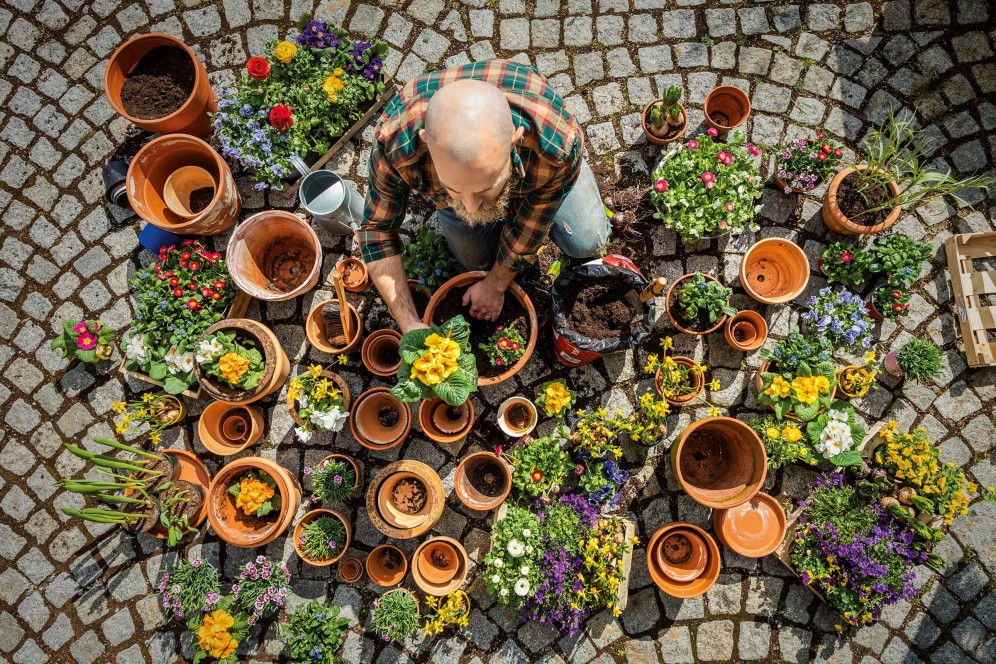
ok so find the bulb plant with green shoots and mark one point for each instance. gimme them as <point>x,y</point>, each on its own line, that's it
<point>667,112</point>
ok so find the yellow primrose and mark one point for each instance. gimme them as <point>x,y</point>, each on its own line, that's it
<point>233,367</point>
<point>252,494</point>
<point>779,388</point>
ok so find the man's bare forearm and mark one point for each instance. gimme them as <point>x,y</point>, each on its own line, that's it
<point>388,275</point>
<point>500,276</point>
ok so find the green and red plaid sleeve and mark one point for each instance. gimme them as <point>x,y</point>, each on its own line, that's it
<point>383,211</point>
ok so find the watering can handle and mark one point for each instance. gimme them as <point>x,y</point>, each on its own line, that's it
<point>654,289</point>
<point>299,165</point>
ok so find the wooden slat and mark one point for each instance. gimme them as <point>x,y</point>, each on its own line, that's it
<point>979,282</point>
<point>967,285</point>
<point>981,318</point>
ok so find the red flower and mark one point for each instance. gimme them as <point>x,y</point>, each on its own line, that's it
<point>174,281</point>
<point>898,308</point>
<point>822,156</point>
<point>183,264</point>
<point>215,256</point>
<point>498,451</point>
<point>177,292</point>
<point>499,362</point>
<point>846,257</point>
<point>515,345</point>
<point>185,256</point>
<point>838,153</point>
<point>192,304</point>
<point>537,475</point>
<point>896,294</point>
<point>218,285</point>
<point>258,68</point>
<point>194,266</point>
<point>215,296</point>
<point>825,147</point>
<point>186,243</point>
<point>192,286</point>
<point>206,292</point>
<point>170,273</point>
<point>280,117</point>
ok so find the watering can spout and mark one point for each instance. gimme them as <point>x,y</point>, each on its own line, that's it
<point>299,165</point>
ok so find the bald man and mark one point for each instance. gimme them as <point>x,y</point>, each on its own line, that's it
<point>495,149</point>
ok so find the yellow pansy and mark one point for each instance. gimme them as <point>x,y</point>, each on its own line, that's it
<point>233,367</point>
<point>557,397</point>
<point>284,51</point>
<point>252,494</point>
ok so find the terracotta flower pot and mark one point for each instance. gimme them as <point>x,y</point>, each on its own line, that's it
<point>380,353</point>
<point>188,468</point>
<point>746,331</point>
<point>191,118</point>
<point>350,570</point>
<point>517,416</point>
<point>181,184</point>
<point>671,299</point>
<point>656,140</point>
<point>249,531</point>
<point>157,162</point>
<point>379,421</point>
<point>891,364</point>
<point>299,533</point>
<point>720,462</point>
<point>354,274</point>
<point>317,333</point>
<point>387,565</point>
<point>766,367</point>
<point>227,429</point>
<point>277,366</point>
<point>482,481</point>
<point>774,271</point>
<point>420,299</point>
<point>515,290</point>
<point>357,471</point>
<point>754,528</point>
<point>837,222</point>
<point>405,499</point>
<point>698,383</point>
<point>732,102</point>
<point>435,580</point>
<point>841,374</point>
<point>274,255</point>
<point>675,555</point>
<point>340,384</point>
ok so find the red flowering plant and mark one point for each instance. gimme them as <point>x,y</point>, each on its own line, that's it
<point>178,297</point>
<point>297,100</point>
<point>88,341</point>
<point>505,346</point>
<point>806,162</point>
<point>891,302</point>
<point>539,465</point>
<point>846,264</point>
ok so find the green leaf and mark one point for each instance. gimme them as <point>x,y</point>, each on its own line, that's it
<point>174,385</point>
<point>453,390</point>
<point>158,371</point>
<point>408,390</point>
<point>88,356</point>
<point>468,363</point>
<point>413,344</point>
<point>848,458</point>
<point>459,330</point>
<point>807,411</point>
<point>235,489</point>
<point>265,508</point>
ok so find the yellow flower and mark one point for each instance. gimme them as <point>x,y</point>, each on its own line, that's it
<point>557,397</point>
<point>233,367</point>
<point>332,86</point>
<point>119,406</point>
<point>147,397</point>
<point>285,51</point>
<point>714,411</point>
<point>869,357</point>
<point>792,434</point>
<point>714,384</point>
<point>822,383</point>
<point>342,359</point>
<point>667,342</point>
<point>213,635</point>
<point>779,388</point>
<point>154,438</point>
<point>699,369</point>
<point>772,433</point>
<point>338,71</point>
<point>315,370</point>
<point>803,452</point>
<point>252,494</point>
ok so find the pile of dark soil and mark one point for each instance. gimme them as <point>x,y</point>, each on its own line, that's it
<point>603,308</point>
<point>160,84</point>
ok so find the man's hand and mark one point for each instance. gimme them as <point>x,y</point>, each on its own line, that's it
<point>487,297</point>
<point>388,275</point>
<point>408,326</point>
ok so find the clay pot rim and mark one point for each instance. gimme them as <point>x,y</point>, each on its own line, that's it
<point>312,329</point>
<point>667,297</point>
<point>224,450</point>
<point>697,380</point>
<point>193,463</point>
<point>759,324</point>
<point>662,141</point>
<point>404,410</point>
<point>429,427</point>
<point>691,491</point>
<point>340,268</point>
<point>263,342</point>
<point>722,520</point>
<point>461,471</point>
<point>227,533</point>
<point>366,353</point>
<point>307,518</point>
<point>436,492</point>
<point>692,588</point>
<point>463,568</point>
<point>691,536</point>
<point>733,91</point>
<point>335,378</point>
<point>790,248</point>
<point>830,203</point>
<point>386,488</point>
<point>351,461</point>
<point>404,566</point>
<point>191,215</point>
<point>424,558</point>
<point>253,224</point>
<point>352,562</point>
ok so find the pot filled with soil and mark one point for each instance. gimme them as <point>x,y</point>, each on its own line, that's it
<point>354,274</point>
<point>683,560</point>
<point>188,191</point>
<point>249,334</point>
<point>517,312</point>
<point>379,421</point>
<point>156,82</point>
<point>699,326</point>
<point>720,462</point>
<point>597,310</point>
<point>440,566</point>
<point>774,271</point>
<point>180,511</point>
<point>322,536</point>
<point>482,481</point>
<point>726,107</point>
<point>274,256</point>
<point>380,353</point>
<point>670,129</point>
<point>350,570</point>
<point>845,204</point>
<point>216,205</point>
<point>227,429</point>
<point>444,423</point>
<point>325,332</point>
<point>754,528</point>
<point>746,331</point>
<point>517,416</point>
<point>386,565</point>
<point>252,501</point>
<point>405,499</point>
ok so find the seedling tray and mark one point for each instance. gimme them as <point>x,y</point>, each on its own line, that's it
<point>975,294</point>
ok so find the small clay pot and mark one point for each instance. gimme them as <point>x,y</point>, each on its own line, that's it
<point>352,462</point>
<point>249,531</point>
<point>684,548</point>
<point>274,256</point>
<point>180,184</point>
<point>276,364</point>
<point>381,352</point>
<point>444,423</point>
<point>720,462</point>
<point>403,500</point>
<point>782,184</point>
<point>754,528</point>
<point>440,581</point>
<point>350,570</point>
<point>482,481</point>
<point>340,384</point>
<point>698,383</point>
<point>891,364</point>
<point>746,331</point>
<point>837,222</point>
<point>359,279</point>
<point>384,514</point>
<point>317,333</point>
<point>299,533</point>
<point>379,569</point>
<point>513,427</point>
<point>682,555</point>
<point>379,421</point>
<point>227,429</point>
<point>672,296</point>
<point>841,373</point>
<point>732,102</point>
<point>437,562</point>
<point>774,271</point>
<point>652,138</point>
<point>870,304</point>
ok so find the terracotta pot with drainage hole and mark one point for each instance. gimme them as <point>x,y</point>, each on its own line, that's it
<point>274,256</point>
<point>378,420</point>
<point>774,271</point>
<point>746,331</point>
<point>720,462</point>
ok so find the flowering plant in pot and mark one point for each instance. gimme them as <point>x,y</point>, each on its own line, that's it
<point>219,633</point>
<point>179,503</point>
<point>803,164</point>
<point>159,411</point>
<point>189,588</point>
<point>395,615</point>
<point>918,360</point>
<point>846,264</point>
<point>512,567</point>
<point>261,588</point>
<point>319,402</point>
<point>315,634</point>
<point>706,188</point>
<point>899,258</point>
<point>854,381</point>
<point>89,341</point>
<point>539,465</point>
<point>441,612</point>
<point>888,301</point>
<point>333,480</point>
<point>238,363</point>
<point>664,119</point>
<point>297,99</point>
<point>597,456</point>
<point>784,442</point>
<point>505,346</point>
<point>795,349</point>
<point>839,319</point>
<point>678,380</point>
<point>804,396</point>
<point>255,493</point>
<point>321,537</point>
<point>646,425</point>
<point>555,399</point>
<point>437,361</point>
<point>428,261</point>
<point>836,434</point>
<point>181,295</point>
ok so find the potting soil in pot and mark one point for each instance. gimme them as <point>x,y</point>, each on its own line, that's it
<point>391,559</point>
<point>512,313</point>
<point>603,308</point>
<point>852,201</point>
<point>667,130</point>
<point>159,84</point>
<point>720,118</point>
<point>201,198</point>
<point>409,495</point>
<point>517,416</point>
<point>286,264</point>
<point>351,274</point>
<point>699,324</point>
<point>488,479</point>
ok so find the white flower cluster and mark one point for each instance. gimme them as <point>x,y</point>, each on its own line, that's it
<point>209,350</point>
<point>137,350</point>
<point>178,362</point>
<point>505,570</point>
<point>836,437</point>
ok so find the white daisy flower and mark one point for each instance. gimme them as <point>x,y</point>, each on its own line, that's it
<point>522,587</point>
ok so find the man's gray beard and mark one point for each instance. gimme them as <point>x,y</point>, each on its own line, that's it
<point>487,212</point>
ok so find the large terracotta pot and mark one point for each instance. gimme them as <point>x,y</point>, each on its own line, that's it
<point>274,255</point>
<point>277,366</point>
<point>746,331</point>
<point>683,560</point>
<point>720,462</point>
<point>379,567</point>
<point>317,331</point>
<point>444,423</point>
<point>698,384</point>
<point>157,161</point>
<point>390,499</point>
<point>754,528</point>
<point>340,384</point>
<point>359,280</point>
<point>672,299</point>
<point>774,271</point>
<point>249,531</point>
<point>515,290</point>
<point>482,481</point>
<point>645,121</point>
<point>730,101</point>
<point>837,222</point>
<point>379,421</point>
<point>434,579</point>
<point>191,118</point>
<point>227,429</point>
<point>299,533</point>
<point>380,352</point>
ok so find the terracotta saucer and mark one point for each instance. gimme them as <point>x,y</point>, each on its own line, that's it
<point>682,555</point>
<point>752,529</point>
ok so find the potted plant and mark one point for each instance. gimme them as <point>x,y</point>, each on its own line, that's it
<point>179,506</point>
<point>227,429</point>
<point>917,359</point>
<point>505,347</point>
<point>189,588</point>
<point>512,568</point>
<point>664,120</point>
<point>679,380</point>
<point>555,399</point>
<point>240,361</point>
<point>846,264</point>
<point>868,199</point>
<point>444,423</point>
<point>354,274</point>
<point>395,615</point>
<point>482,481</point>
<point>159,411</point>
<point>899,258</point>
<point>803,164</point>
<point>379,421</point>
<point>539,465</point>
<point>318,399</point>
<point>888,301</point>
<point>838,319</point>
<point>322,537</point>
<point>726,107</point>
<point>517,416</point>
<point>381,353</point>
<point>837,434</point>
<point>335,479</point>
<point>774,271</point>
<point>854,381</point>
<point>596,456</point>
<point>796,348</point>
<point>89,341</point>
<point>441,612</point>
<point>428,261</point>
<point>274,256</point>
<point>315,634</point>
<point>646,426</point>
<point>746,331</point>
<point>324,328</point>
<point>252,501</point>
<point>784,442</point>
<point>683,560</point>
<point>802,394</point>
<point>437,361</point>
<point>261,589</point>
<point>720,462</point>
<point>705,188</point>
<point>386,565</point>
<point>219,633</point>
<point>698,304</point>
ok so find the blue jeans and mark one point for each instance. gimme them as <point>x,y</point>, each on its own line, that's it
<point>580,228</point>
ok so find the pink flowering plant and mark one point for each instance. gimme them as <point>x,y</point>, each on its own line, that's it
<point>323,538</point>
<point>847,264</point>
<point>806,162</point>
<point>332,481</point>
<point>261,588</point>
<point>189,588</point>
<point>89,341</point>
<point>706,188</point>
<point>505,346</point>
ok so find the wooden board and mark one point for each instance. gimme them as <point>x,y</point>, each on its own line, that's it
<point>976,318</point>
<point>237,309</point>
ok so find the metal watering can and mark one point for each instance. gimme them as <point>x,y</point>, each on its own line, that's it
<point>330,200</point>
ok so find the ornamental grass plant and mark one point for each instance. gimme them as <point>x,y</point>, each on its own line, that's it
<point>919,359</point>
<point>395,616</point>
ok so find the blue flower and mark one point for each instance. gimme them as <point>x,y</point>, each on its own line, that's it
<point>246,111</point>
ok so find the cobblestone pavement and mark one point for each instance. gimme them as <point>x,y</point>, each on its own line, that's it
<point>78,592</point>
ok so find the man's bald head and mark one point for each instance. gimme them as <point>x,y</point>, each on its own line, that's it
<point>470,121</point>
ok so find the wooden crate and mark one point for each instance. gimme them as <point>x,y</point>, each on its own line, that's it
<point>976,318</point>
<point>237,309</point>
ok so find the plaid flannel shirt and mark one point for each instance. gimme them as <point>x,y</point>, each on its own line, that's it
<point>545,164</point>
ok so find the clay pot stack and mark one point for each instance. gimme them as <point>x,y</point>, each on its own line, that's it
<point>746,331</point>
<point>443,423</point>
<point>226,428</point>
<point>439,566</point>
<point>380,353</point>
<point>483,481</point>
<point>405,499</point>
<point>379,421</point>
<point>683,559</point>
